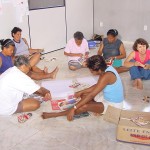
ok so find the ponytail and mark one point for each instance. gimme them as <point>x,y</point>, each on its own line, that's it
<point>1,41</point>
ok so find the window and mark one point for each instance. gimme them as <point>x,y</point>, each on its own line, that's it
<point>43,4</point>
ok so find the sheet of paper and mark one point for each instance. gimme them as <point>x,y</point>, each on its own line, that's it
<point>88,80</point>
<point>59,88</point>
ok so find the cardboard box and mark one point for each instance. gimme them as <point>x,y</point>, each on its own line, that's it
<point>130,128</point>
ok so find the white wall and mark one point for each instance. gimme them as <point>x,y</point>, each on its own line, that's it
<point>8,21</point>
<point>48,29</point>
<point>48,26</point>
<point>79,15</point>
<point>128,17</point>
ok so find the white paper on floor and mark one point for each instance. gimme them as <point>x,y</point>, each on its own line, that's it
<point>61,88</point>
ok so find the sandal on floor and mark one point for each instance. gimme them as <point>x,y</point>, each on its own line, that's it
<point>24,117</point>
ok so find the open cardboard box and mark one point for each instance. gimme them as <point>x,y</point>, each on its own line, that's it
<point>128,127</point>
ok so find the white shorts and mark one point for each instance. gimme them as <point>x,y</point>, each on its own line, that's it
<point>100,98</point>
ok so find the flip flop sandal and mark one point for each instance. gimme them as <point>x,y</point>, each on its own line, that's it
<point>24,117</point>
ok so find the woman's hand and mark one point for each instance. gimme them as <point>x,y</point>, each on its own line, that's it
<point>78,94</point>
<point>112,58</point>
<point>40,50</point>
<point>70,114</point>
<point>138,64</point>
<point>47,97</point>
<point>146,66</point>
<point>79,55</point>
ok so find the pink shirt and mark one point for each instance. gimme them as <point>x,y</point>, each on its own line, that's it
<point>137,57</point>
<point>72,47</point>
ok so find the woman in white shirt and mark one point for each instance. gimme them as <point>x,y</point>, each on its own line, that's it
<point>14,83</point>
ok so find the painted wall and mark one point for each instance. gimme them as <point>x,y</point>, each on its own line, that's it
<point>79,15</point>
<point>48,28</point>
<point>8,21</point>
<point>128,17</point>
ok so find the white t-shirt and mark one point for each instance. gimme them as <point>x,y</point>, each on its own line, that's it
<point>21,48</point>
<point>72,47</point>
<point>13,84</point>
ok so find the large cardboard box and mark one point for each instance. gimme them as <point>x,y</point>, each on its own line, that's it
<point>132,126</point>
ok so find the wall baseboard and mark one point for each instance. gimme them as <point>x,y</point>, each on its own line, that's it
<point>128,42</point>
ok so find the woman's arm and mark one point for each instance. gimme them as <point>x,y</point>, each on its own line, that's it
<point>129,64</point>
<point>31,50</point>
<point>85,91</point>
<point>122,52</point>
<point>102,83</point>
<point>25,42</point>
<point>44,92</point>
<point>100,51</point>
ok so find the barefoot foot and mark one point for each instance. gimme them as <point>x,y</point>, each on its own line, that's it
<point>140,84</point>
<point>48,115</point>
<point>135,83</point>
<point>45,70</point>
<point>97,114</point>
<point>54,73</point>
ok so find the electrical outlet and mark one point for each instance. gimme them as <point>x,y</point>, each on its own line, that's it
<point>145,27</point>
<point>101,24</point>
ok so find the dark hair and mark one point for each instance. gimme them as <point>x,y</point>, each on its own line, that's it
<point>6,43</point>
<point>96,63</point>
<point>15,30</point>
<point>112,32</point>
<point>21,60</point>
<point>140,41</point>
<point>78,35</point>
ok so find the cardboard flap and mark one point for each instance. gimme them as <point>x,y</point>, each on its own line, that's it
<point>112,114</point>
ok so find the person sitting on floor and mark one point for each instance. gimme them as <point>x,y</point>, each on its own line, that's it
<point>139,63</point>
<point>21,44</point>
<point>77,51</point>
<point>109,82</point>
<point>113,49</point>
<point>6,61</point>
<point>14,83</point>
<point>22,47</point>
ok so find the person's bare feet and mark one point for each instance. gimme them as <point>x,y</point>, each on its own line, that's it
<point>84,64</point>
<point>46,115</point>
<point>54,73</point>
<point>135,83</point>
<point>140,84</point>
<point>97,114</point>
<point>45,70</point>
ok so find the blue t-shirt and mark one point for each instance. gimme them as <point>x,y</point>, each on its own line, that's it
<point>114,92</point>
<point>6,63</point>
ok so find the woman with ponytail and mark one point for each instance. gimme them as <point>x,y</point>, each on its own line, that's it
<point>6,60</point>
<point>113,49</point>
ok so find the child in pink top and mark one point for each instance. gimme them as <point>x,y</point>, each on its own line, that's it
<point>77,51</point>
<point>139,63</point>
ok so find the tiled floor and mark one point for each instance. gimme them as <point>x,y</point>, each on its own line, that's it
<point>90,133</point>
